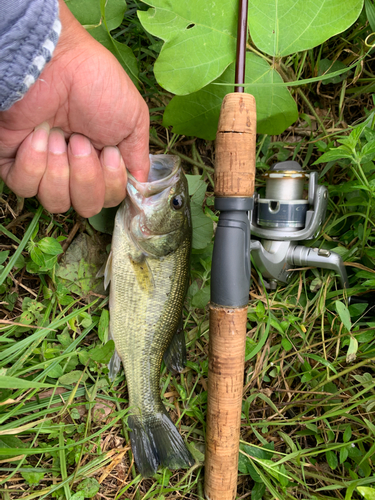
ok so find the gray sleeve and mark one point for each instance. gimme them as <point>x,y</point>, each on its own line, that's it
<point>29,31</point>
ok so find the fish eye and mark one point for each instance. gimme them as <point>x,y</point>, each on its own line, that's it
<point>177,202</point>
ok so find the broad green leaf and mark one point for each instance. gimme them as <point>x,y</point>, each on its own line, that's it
<point>122,52</point>
<point>37,255</point>
<point>32,477</point>
<point>282,27</point>
<point>366,492</point>
<point>198,114</point>
<point>258,491</point>
<point>201,298</point>
<point>103,353</point>
<point>200,40</point>
<point>50,246</point>
<point>72,377</point>
<point>89,15</point>
<point>334,154</point>
<point>88,12</point>
<point>194,182</point>
<point>332,459</point>
<point>344,314</point>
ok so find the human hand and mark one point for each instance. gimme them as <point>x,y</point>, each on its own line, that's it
<point>83,96</point>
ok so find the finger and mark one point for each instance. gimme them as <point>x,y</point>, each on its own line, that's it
<point>134,148</point>
<point>53,190</point>
<point>114,176</point>
<point>86,180</point>
<point>24,176</point>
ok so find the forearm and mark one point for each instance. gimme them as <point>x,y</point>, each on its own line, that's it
<point>29,30</point>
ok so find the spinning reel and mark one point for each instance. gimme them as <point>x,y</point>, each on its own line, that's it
<point>285,217</point>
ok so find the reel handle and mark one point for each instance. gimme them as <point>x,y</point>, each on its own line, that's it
<point>230,282</point>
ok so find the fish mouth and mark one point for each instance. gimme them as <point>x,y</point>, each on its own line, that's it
<point>164,173</point>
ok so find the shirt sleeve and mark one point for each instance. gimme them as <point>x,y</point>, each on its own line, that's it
<point>29,31</point>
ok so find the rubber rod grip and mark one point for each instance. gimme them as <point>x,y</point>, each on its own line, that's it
<point>225,387</point>
<point>235,146</point>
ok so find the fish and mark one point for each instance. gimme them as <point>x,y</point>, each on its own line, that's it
<point>148,271</point>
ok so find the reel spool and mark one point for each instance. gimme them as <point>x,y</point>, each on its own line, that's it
<point>283,207</point>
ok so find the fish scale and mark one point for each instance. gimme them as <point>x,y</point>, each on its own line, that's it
<point>140,330</point>
<point>146,300</point>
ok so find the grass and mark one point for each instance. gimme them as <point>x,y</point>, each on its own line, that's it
<point>308,426</point>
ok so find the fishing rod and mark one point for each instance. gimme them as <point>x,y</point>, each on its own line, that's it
<point>230,278</point>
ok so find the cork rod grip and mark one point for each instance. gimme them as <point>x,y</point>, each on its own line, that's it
<point>225,387</point>
<point>235,146</point>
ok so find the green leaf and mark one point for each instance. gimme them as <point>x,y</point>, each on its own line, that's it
<point>352,350</point>
<point>282,27</point>
<point>103,354</point>
<point>198,114</point>
<point>194,183</point>
<point>32,478</point>
<point>258,491</point>
<point>344,314</point>
<point>334,154</point>
<point>366,492</point>
<point>50,246</point>
<point>89,487</point>
<point>11,442</point>
<point>200,41</point>
<point>287,345</point>
<point>326,67</point>
<point>37,255</point>
<point>343,455</point>
<point>202,225</point>
<point>201,298</point>
<point>332,459</point>
<point>103,326</point>
<point>347,434</point>
<point>72,377</point>
<point>20,383</point>
<point>4,254</point>
<point>122,52</point>
<point>370,13</point>
<point>88,12</point>
<point>104,221</point>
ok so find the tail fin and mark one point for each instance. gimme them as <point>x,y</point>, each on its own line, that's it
<point>155,440</point>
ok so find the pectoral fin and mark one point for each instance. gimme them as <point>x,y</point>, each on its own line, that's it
<point>106,271</point>
<point>114,364</point>
<point>175,355</point>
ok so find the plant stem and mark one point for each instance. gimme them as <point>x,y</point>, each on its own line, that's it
<point>158,142</point>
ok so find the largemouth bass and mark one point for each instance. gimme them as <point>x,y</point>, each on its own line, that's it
<point>148,269</point>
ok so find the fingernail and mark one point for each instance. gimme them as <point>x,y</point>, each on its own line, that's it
<point>80,145</point>
<point>112,157</point>
<point>56,142</point>
<point>39,139</point>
